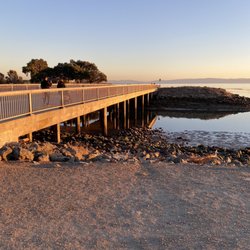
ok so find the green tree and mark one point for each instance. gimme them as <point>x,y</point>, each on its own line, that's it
<point>12,77</point>
<point>34,67</point>
<point>2,78</point>
<point>86,71</point>
<point>80,71</point>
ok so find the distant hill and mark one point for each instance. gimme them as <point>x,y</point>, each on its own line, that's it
<point>190,80</point>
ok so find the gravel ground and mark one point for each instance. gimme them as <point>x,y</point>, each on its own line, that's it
<point>123,206</point>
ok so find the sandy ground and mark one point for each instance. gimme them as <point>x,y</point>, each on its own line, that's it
<point>123,206</point>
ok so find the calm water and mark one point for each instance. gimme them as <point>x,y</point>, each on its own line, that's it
<point>231,130</point>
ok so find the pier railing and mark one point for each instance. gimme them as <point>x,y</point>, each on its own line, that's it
<point>15,104</point>
<point>33,86</point>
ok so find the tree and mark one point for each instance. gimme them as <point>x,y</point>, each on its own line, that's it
<point>86,71</point>
<point>80,71</point>
<point>12,77</point>
<point>34,67</point>
<point>2,78</point>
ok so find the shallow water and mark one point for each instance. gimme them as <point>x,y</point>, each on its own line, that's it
<point>226,130</point>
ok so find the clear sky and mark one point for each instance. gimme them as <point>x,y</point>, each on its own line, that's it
<point>130,39</point>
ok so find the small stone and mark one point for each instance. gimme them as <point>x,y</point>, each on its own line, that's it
<point>157,154</point>
<point>228,160</point>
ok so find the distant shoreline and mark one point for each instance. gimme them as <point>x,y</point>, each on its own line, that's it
<point>188,81</point>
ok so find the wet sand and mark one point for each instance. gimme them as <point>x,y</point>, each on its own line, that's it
<point>231,140</point>
<point>123,206</point>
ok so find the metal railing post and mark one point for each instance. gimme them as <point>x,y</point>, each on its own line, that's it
<point>62,99</point>
<point>30,104</point>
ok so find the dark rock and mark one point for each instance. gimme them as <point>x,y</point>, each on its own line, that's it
<point>58,157</point>
<point>20,153</point>
<point>5,153</point>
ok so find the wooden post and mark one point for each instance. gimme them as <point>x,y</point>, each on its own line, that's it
<point>104,121</point>
<point>78,124</point>
<point>128,114</point>
<point>124,115</point>
<point>30,137</point>
<point>142,110</point>
<point>118,116</point>
<point>84,121</point>
<point>58,132</point>
<point>135,111</point>
<point>115,117</point>
<point>147,96</point>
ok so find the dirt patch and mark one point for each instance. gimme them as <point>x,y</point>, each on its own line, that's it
<point>123,206</point>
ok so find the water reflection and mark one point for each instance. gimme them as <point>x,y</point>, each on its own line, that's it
<point>194,114</point>
<point>229,130</point>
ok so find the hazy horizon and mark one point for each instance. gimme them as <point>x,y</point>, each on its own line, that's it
<point>140,40</point>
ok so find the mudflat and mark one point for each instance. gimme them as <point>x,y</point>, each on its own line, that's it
<point>123,206</point>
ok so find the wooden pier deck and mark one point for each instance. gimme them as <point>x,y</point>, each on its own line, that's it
<point>23,112</point>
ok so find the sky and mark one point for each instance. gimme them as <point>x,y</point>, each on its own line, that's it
<point>140,40</point>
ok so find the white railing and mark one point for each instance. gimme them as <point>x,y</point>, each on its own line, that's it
<point>15,104</point>
<point>32,86</point>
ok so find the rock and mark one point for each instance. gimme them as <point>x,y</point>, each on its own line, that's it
<point>58,157</point>
<point>179,160</point>
<point>42,157</point>
<point>5,153</point>
<point>147,157</point>
<point>237,163</point>
<point>34,146</point>
<point>78,151</point>
<point>19,153</point>
<point>47,147</point>
<point>93,156</point>
<point>157,154</point>
<point>66,152</point>
<point>228,160</point>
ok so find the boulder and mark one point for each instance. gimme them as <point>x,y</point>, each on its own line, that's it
<point>43,157</point>
<point>58,157</point>
<point>5,153</point>
<point>47,147</point>
<point>20,153</point>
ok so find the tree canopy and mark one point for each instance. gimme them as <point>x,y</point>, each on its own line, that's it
<point>2,78</point>
<point>80,71</point>
<point>34,67</point>
<point>12,77</point>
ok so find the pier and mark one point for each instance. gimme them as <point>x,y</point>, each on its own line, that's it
<point>24,111</point>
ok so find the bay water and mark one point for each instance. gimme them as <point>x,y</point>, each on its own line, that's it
<point>224,130</point>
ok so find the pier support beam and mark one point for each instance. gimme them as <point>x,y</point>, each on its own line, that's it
<point>57,131</point>
<point>135,111</point>
<point>104,121</point>
<point>142,110</point>
<point>78,124</point>
<point>147,99</point>
<point>83,121</point>
<point>124,115</point>
<point>117,115</point>
<point>128,114</point>
<point>30,137</point>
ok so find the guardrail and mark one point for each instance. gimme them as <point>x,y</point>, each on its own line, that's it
<point>19,103</point>
<point>33,86</point>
